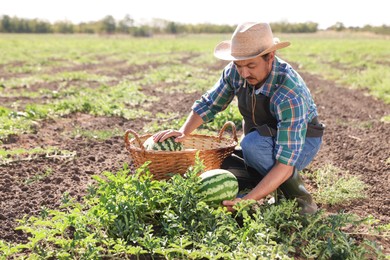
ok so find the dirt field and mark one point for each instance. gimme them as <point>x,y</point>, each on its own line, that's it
<point>355,141</point>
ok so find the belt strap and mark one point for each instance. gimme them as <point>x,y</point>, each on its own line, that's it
<point>314,129</point>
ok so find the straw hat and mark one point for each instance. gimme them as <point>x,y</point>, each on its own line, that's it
<point>249,40</point>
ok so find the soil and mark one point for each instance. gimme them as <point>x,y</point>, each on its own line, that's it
<point>355,141</point>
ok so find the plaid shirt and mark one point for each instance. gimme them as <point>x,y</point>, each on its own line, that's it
<point>291,104</point>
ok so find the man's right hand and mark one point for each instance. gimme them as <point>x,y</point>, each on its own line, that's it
<point>193,121</point>
<point>162,135</point>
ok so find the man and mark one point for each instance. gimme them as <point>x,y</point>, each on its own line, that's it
<point>282,133</point>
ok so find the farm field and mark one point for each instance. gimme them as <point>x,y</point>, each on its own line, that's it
<point>66,101</point>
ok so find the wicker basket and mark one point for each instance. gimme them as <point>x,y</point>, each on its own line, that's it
<point>212,151</point>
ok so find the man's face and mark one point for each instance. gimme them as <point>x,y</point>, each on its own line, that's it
<point>255,70</point>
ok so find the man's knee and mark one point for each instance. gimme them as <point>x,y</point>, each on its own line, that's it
<point>258,151</point>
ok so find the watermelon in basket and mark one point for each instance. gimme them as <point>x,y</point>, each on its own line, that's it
<point>212,151</point>
<point>168,144</point>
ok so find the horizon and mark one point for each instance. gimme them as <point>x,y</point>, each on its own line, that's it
<point>203,11</point>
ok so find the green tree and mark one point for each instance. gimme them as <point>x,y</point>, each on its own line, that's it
<point>86,28</point>
<point>24,26</point>
<point>171,28</point>
<point>38,26</point>
<point>5,23</point>
<point>339,26</point>
<point>125,25</point>
<point>63,27</point>
<point>107,25</point>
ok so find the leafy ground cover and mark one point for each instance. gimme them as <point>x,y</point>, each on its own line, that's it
<point>67,101</point>
<point>133,215</point>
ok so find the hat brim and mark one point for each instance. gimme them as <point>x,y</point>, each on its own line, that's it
<point>223,51</point>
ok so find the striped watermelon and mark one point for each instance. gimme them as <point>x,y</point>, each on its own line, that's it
<point>168,144</point>
<point>218,185</point>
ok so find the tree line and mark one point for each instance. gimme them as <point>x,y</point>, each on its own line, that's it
<point>127,25</point>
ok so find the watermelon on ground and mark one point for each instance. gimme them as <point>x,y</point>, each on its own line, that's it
<point>168,144</point>
<point>218,185</point>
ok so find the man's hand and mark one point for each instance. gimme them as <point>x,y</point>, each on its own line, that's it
<point>230,203</point>
<point>162,135</point>
<point>278,174</point>
<point>193,121</point>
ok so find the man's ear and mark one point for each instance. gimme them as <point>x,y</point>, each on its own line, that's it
<point>272,56</point>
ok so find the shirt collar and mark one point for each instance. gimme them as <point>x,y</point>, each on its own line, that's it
<point>266,88</point>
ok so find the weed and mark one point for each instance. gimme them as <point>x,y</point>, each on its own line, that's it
<point>96,134</point>
<point>20,154</point>
<point>231,113</point>
<point>159,125</point>
<point>39,176</point>
<point>335,186</point>
<point>385,119</point>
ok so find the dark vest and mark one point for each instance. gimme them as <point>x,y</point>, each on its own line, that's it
<point>265,123</point>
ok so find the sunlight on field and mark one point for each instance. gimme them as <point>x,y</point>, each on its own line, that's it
<point>66,101</point>
<point>352,60</point>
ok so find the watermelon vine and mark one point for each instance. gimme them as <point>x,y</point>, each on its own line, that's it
<point>132,216</point>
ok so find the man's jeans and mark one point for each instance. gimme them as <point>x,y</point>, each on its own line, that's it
<point>259,152</point>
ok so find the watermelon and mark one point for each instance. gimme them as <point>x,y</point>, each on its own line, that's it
<point>168,144</point>
<point>218,185</point>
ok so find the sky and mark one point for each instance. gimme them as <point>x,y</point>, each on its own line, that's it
<point>325,13</point>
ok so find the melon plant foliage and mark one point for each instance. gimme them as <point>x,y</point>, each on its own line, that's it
<point>131,216</point>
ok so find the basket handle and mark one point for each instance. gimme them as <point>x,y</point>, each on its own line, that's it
<point>127,142</point>
<point>233,126</point>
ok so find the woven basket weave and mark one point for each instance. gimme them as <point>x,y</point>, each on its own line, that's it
<point>212,151</point>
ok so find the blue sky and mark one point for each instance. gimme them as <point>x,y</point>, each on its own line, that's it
<point>325,13</point>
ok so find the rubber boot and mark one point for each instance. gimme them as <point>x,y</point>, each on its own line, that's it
<point>294,188</point>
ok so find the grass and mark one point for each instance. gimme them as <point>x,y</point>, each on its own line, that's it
<point>43,69</point>
<point>155,126</point>
<point>39,176</point>
<point>355,123</point>
<point>67,90</point>
<point>231,113</point>
<point>57,77</point>
<point>117,100</point>
<point>97,134</point>
<point>21,154</point>
<point>386,119</point>
<point>14,125</point>
<point>335,186</point>
<point>353,60</point>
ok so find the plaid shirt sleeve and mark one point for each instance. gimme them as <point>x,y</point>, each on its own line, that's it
<point>292,127</point>
<point>216,99</point>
